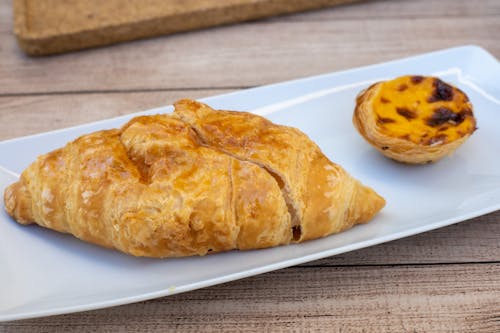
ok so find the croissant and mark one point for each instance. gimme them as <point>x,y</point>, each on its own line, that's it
<point>189,183</point>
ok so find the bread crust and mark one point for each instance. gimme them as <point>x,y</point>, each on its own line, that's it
<point>160,187</point>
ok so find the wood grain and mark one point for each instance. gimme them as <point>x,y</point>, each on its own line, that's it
<point>446,280</point>
<point>322,299</point>
<point>224,57</point>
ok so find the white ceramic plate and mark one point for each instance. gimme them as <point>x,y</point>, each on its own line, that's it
<point>45,273</point>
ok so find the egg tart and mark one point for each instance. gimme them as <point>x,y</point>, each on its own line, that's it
<point>414,119</point>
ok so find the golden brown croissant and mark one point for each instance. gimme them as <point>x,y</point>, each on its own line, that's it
<point>191,182</point>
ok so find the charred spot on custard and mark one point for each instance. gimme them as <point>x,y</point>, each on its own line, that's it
<point>405,137</point>
<point>407,113</point>
<point>402,87</point>
<point>384,100</point>
<point>442,92</point>
<point>466,112</point>
<point>385,120</point>
<point>416,79</point>
<point>444,115</point>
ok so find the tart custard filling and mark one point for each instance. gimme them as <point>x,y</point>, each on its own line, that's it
<point>424,110</point>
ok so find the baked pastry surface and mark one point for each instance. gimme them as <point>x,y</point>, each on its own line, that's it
<point>189,183</point>
<point>414,119</point>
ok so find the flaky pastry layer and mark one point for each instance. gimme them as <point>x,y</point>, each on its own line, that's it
<point>189,183</point>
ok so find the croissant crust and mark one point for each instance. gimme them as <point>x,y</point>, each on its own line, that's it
<point>189,183</point>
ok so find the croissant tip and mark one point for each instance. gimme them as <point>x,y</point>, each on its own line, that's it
<point>17,203</point>
<point>368,203</point>
<point>379,202</point>
<point>9,199</point>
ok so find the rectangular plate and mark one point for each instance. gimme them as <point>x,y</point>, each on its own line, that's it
<point>45,273</point>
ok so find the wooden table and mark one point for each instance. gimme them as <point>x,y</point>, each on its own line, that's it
<point>444,280</point>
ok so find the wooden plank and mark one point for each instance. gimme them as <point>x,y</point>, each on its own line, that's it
<point>379,9</point>
<point>231,57</point>
<point>451,298</point>
<point>52,26</point>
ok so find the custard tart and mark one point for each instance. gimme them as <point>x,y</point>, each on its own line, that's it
<point>414,119</point>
